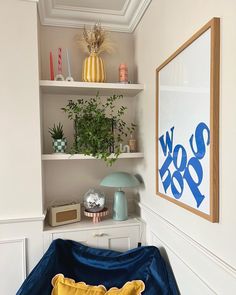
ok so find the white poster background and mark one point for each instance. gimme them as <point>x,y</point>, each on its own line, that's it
<point>184,102</point>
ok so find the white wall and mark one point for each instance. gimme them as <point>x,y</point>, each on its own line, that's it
<point>20,155</point>
<point>21,244</point>
<point>166,26</point>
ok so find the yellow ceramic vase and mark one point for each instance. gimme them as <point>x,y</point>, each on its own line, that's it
<point>93,69</point>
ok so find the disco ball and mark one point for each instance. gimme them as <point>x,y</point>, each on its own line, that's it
<point>94,200</point>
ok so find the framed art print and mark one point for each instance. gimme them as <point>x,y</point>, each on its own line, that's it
<point>187,124</point>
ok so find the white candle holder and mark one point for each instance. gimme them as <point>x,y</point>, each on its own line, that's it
<point>69,79</point>
<point>59,77</point>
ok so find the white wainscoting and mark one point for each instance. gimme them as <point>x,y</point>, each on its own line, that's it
<point>22,219</point>
<point>196,269</point>
<point>13,265</point>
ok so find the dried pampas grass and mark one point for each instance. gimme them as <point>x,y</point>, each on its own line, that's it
<point>95,40</point>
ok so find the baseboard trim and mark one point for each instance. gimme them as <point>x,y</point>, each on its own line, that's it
<point>23,219</point>
<point>214,258</point>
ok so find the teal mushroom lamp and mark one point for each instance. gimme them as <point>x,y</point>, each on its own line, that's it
<point>120,180</point>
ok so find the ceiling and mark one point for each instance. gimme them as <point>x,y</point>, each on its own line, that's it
<point>114,15</point>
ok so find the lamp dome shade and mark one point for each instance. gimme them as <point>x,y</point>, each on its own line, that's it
<point>120,179</point>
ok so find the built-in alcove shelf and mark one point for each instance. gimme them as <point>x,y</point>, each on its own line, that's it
<point>86,88</point>
<point>47,157</point>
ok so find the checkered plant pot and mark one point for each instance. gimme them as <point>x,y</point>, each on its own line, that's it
<point>59,145</point>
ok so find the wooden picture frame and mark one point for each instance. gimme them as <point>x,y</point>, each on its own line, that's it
<point>187,124</point>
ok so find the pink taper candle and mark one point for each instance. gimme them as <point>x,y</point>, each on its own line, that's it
<point>59,61</point>
<point>51,67</point>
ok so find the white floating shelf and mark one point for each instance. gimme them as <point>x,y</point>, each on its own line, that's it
<point>49,157</point>
<point>86,88</point>
<point>87,224</point>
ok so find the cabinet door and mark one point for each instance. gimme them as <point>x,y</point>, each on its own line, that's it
<point>116,238</point>
<point>86,237</point>
<point>120,238</point>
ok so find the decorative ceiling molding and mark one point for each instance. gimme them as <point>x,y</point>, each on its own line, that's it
<point>122,17</point>
<point>30,0</point>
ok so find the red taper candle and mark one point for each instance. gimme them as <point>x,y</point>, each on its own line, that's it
<point>51,67</point>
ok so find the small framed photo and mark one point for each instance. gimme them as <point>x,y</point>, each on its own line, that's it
<point>187,124</point>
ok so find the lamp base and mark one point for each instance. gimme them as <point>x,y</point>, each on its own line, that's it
<point>120,208</point>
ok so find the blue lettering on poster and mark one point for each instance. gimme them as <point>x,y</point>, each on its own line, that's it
<point>178,158</point>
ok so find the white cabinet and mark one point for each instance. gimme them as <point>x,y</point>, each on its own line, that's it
<point>108,234</point>
<point>120,239</point>
<point>82,236</point>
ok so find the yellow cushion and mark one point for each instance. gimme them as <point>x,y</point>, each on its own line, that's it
<point>66,286</point>
<point>130,288</point>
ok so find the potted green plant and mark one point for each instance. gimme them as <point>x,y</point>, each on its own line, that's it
<point>99,126</point>
<point>59,141</point>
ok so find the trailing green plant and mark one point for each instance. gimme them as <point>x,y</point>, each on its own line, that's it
<point>99,126</point>
<point>57,131</point>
